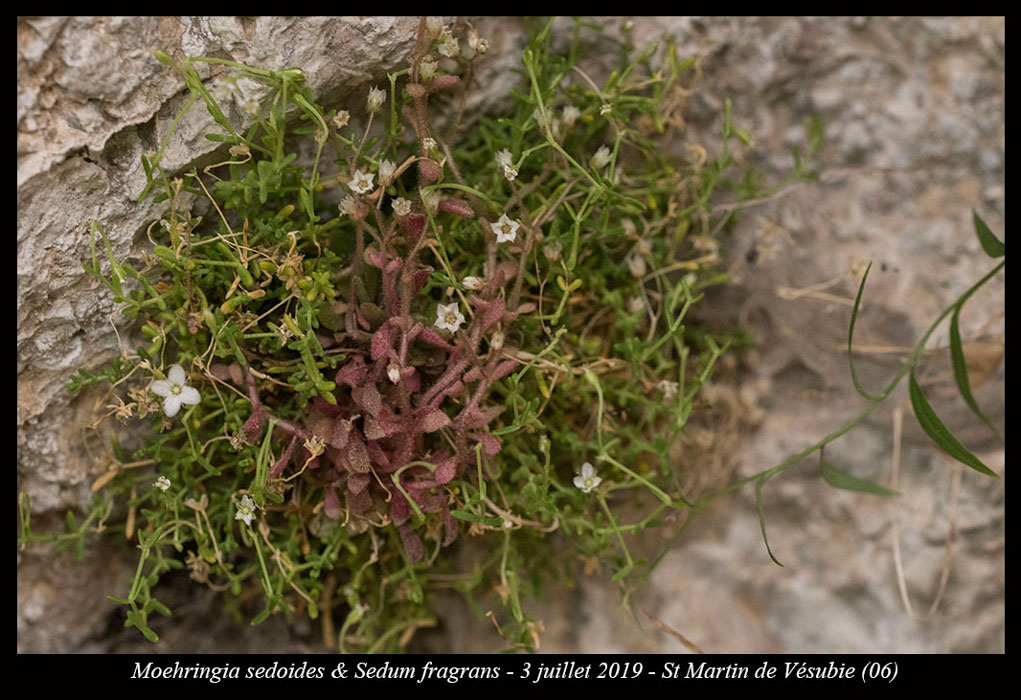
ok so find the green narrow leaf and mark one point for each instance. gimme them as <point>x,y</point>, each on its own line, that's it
<point>840,479</point>
<point>149,634</point>
<point>991,244</point>
<point>961,370</point>
<point>850,337</point>
<point>762,518</point>
<point>935,429</point>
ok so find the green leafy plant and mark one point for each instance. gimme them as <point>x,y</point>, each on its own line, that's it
<point>379,344</point>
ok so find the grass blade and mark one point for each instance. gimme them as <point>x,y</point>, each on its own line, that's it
<point>762,519</point>
<point>935,429</point>
<point>850,337</point>
<point>961,370</point>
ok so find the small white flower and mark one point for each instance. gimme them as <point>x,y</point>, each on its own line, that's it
<point>509,173</point>
<point>570,115</point>
<point>496,341</point>
<point>448,317</point>
<point>505,229</point>
<point>448,47</point>
<point>401,206</point>
<point>668,388</point>
<point>175,391</point>
<point>429,142</point>
<point>507,524</point>
<point>504,158</point>
<point>472,283</point>
<point>162,483</point>
<point>251,108</point>
<point>605,109</point>
<point>246,510</point>
<point>361,182</point>
<point>427,69</point>
<point>588,479</point>
<point>393,372</point>
<point>341,118</point>
<point>386,172</point>
<point>635,305</point>
<point>601,159</point>
<point>376,99</point>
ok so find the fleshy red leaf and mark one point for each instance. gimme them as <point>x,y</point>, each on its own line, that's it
<point>434,420</point>
<point>490,443</point>
<point>412,543</point>
<point>433,338</point>
<point>504,368</point>
<point>356,483</point>
<point>367,397</point>
<point>356,455</point>
<point>381,342</point>
<point>458,207</point>
<point>331,503</point>
<point>446,470</point>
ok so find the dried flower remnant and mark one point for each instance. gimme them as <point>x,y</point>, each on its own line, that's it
<point>375,100</point>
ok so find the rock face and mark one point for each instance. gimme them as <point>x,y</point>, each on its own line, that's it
<point>913,113</point>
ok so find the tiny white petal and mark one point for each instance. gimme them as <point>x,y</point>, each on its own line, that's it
<point>176,375</point>
<point>171,405</point>
<point>160,387</point>
<point>189,395</point>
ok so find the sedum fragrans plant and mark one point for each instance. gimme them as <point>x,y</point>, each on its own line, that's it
<point>382,341</point>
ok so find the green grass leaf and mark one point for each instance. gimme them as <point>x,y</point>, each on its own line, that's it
<point>850,337</point>
<point>840,479</point>
<point>935,429</point>
<point>990,243</point>
<point>961,370</point>
<point>762,518</point>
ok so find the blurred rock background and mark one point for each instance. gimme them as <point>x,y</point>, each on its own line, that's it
<point>913,115</point>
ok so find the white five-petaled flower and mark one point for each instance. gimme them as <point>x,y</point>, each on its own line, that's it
<point>175,391</point>
<point>449,317</point>
<point>601,158</point>
<point>402,206</point>
<point>246,510</point>
<point>376,99</point>
<point>588,479</point>
<point>341,118</point>
<point>162,483</point>
<point>361,182</point>
<point>605,109</point>
<point>505,229</point>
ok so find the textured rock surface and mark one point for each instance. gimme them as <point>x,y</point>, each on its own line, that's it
<point>913,111</point>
